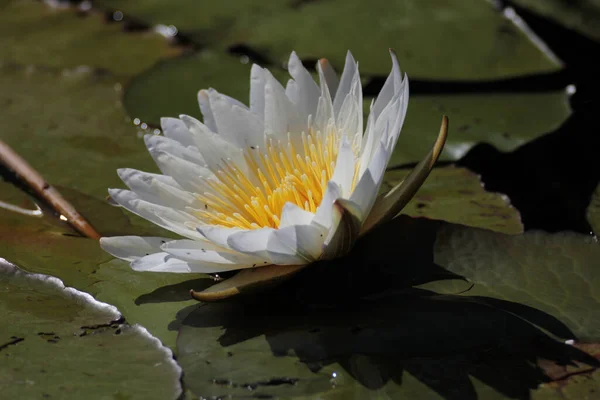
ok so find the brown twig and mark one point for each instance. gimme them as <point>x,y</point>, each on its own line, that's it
<point>49,194</point>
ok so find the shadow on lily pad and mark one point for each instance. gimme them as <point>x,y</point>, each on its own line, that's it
<point>358,326</point>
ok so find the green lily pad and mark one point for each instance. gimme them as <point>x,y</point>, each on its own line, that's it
<point>506,121</point>
<point>457,195</point>
<point>434,38</point>
<point>63,39</point>
<point>171,88</point>
<point>57,342</point>
<point>581,15</point>
<point>593,211</point>
<point>206,23</point>
<point>556,273</point>
<point>78,113</point>
<point>355,326</point>
<point>86,122</point>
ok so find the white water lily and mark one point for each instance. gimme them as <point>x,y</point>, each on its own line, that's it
<point>287,181</point>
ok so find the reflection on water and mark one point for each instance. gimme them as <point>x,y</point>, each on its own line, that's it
<point>37,212</point>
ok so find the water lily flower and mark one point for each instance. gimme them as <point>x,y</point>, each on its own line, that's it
<point>270,188</point>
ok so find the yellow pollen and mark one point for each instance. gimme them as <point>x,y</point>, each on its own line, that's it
<point>277,175</point>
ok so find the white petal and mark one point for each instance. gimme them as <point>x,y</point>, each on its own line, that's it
<point>188,175</point>
<point>303,91</point>
<point>345,85</point>
<point>175,129</point>
<point>150,211</point>
<point>344,168</point>
<point>387,114</point>
<point>130,248</point>
<point>294,215</point>
<point>326,215</point>
<point>281,116</point>
<point>367,188</point>
<point>149,188</point>
<point>207,115</point>
<point>198,251</point>
<point>287,245</point>
<point>349,118</point>
<point>213,147</point>
<point>251,242</point>
<point>401,112</point>
<point>165,262</point>
<point>386,127</point>
<point>157,144</point>
<point>160,262</point>
<point>217,234</point>
<point>236,124</point>
<point>390,87</point>
<point>329,75</point>
<point>257,91</point>
<point>325,105</point>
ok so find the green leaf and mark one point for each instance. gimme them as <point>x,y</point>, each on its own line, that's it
<point>506,121</point>
<point>85,121</point>
<point>433,39</point>
<point>355,326</point>
<point>33,33</point>
<point>57,342</point>
<point>457,195</point>
<point>170,88</point>
<point>206,23</point>
<point>593,211</point>
<point>555,273</point>
<point>581,15</point>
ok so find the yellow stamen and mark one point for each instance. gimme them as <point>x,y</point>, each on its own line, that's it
<point>279,173</point>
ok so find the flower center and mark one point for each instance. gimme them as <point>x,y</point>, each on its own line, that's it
<point>278,174</point>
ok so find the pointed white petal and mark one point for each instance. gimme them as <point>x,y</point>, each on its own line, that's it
<point>165,262</point>
<point>251,242</point>
<point>213,147</point>
<point>157,143</point>
<point>329,75</point>
<point>130,201</point>
<point>294,215</point>
<point>257,91</point>
<point>236,124</point>
<point>175,129</point>
<point>281,116</point>
<point>326,214</point>
<point>367,187</point>
<point>188,175</point>
<point>296,244</point>
<point>303,91</point>
<point>345,85</point>
<point>344,168</point>
<point>217,234</point>
<point>130,248</point>
<point>390,87</point>
<point>385,128</point>
<point>160,262</point>
<point>325,105</point>
<point>198,251</point>
<point>349,118</point>
<point>207,115</point>
<point>154,190</point>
